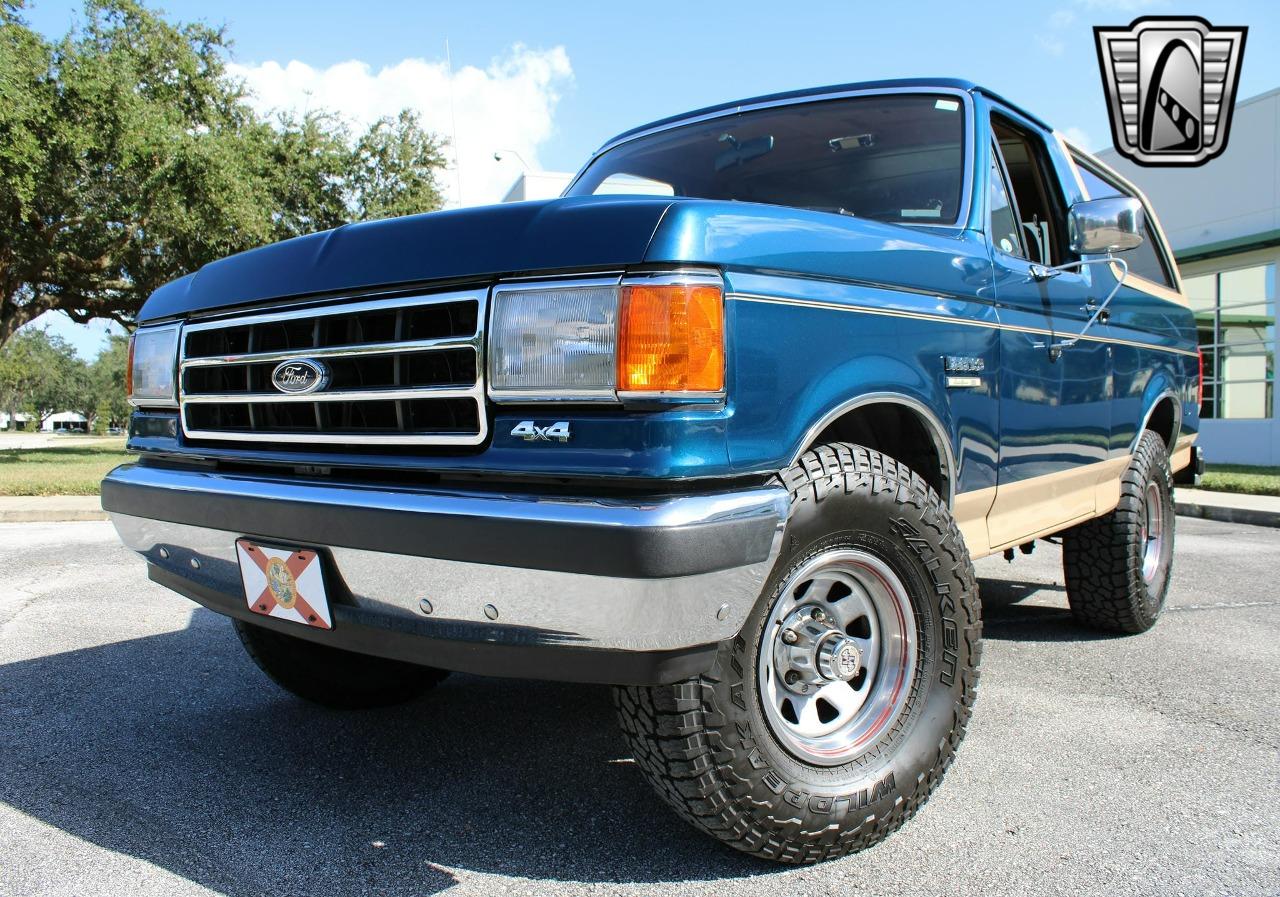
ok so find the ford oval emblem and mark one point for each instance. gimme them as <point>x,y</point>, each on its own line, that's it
<point>298,376</point>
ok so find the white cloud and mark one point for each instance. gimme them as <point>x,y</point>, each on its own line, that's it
<point>1078,137</point>
<point>1061,18</point>
<point>510,105</point>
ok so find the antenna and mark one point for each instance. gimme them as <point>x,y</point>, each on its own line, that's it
<point>453,116</point>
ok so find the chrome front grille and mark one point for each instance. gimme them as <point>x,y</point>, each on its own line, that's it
<point>400,371</point>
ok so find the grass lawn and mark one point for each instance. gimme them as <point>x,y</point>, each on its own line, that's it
<point>61,470</point>
<point>1238,478</point>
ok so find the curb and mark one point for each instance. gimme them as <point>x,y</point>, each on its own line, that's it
<point>38,515</point>
<point>1227,514</point>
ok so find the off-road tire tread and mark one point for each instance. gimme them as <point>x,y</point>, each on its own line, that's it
<point>674,730</point>
<point>1103,572</point>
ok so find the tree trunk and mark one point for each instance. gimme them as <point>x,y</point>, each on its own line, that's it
<point>9,325</point>
<point>13,316</point>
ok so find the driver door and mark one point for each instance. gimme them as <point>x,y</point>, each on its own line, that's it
<point>1055,416</point>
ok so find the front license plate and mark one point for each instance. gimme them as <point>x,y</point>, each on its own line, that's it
<point>284,583</point>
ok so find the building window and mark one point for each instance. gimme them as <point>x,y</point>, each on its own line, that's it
<point>1236,318</point>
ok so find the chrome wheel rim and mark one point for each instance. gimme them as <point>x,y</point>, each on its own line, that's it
<point>1151,531</point>
<point>837,656</point>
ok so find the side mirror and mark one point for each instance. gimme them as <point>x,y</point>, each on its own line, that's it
<point>1097,227</point>
<point>1104,226</point>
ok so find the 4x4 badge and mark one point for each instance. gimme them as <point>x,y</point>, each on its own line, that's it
<point>1170,83</point>
<point>531,432</point>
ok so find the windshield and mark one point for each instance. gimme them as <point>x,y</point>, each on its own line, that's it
<point>891,157</point>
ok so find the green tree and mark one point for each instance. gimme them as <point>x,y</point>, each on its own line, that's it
<point>105,402</point>
<point>18,375</point>
<point>393,169</point>
<point>41,375</point>
<point>129,157</point>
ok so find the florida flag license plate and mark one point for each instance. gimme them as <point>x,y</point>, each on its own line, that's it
<point>284,583</point>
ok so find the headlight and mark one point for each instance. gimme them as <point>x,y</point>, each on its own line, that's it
<point>657,337</point>
<point>153,357</point>
<point>554,342</point>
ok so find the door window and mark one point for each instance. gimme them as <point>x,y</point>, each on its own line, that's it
<point>1004,230</point>
<point>1037,199</point>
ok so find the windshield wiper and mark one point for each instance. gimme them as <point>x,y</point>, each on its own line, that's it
<point>834,210</point>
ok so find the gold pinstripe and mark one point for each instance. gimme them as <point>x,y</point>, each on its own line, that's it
<point>967,322</point>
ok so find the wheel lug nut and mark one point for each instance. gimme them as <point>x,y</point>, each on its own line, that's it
<point>792,677</point>
<point>789,637</point>
<point>818,614</point>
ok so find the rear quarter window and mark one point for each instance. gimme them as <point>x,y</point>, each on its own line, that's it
<point>1146,261</point>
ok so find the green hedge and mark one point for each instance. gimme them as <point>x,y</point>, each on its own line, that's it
<point>1239,478</point>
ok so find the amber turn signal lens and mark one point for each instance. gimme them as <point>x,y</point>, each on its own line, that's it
<point>128,369</point>
<point>671,338</point>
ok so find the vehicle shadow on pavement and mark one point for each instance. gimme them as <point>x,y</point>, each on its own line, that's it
<point>1047,619</point>
<point>174,749</point>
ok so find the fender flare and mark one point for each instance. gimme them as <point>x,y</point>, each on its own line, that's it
<point>937,431</point>
<point>1175,430</point>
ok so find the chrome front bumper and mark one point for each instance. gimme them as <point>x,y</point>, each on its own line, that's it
<point>624,591</point>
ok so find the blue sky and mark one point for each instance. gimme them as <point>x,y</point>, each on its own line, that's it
<point>553,80</point>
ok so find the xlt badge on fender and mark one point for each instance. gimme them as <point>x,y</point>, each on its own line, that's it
<point>531,432</point>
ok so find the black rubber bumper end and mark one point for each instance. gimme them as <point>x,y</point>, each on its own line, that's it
<point>1193,473</point>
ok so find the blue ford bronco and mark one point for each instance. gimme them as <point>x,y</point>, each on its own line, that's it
<point>721,427</point>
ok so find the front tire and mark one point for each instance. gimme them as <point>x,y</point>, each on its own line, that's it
<point>818,734</point>
<point>331,676</point>
<point>1118,566</point>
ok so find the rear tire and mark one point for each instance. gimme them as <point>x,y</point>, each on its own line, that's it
<point>331,676</point>
<point>747,753</point>
<point>1118,566</point>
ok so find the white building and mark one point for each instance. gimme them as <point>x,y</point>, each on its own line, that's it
<point>550,184</point>
<point>538,185</point>
<point>1223,221</point>
<point>68,421</point>
<point>22,421</point>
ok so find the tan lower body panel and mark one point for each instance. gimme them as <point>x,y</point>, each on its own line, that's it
<point>1180,457</point>
<point>970,511</point>
<point>999,517</point>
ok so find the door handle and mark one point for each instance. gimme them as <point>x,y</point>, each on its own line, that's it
<point>1090,307</point>
<point>1097,313</point>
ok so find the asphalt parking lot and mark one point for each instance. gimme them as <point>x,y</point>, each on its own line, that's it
<point>141,753</point>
